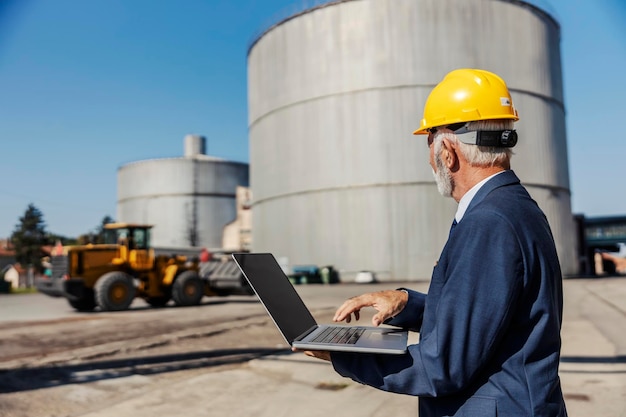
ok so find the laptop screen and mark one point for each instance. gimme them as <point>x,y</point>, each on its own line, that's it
<point>276,293</point>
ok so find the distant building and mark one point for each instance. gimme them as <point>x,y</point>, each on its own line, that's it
<point>238,234</point>
<point>189,200</point>
<point>12,275</point>
<point>7,254</point>
<point>599,234</point>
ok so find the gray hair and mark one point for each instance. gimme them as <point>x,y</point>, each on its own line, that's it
<point>482,156</point>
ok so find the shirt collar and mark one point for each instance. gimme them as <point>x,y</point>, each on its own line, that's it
<point>469,196</point>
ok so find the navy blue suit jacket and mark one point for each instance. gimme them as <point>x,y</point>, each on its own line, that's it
<point>490,324</point>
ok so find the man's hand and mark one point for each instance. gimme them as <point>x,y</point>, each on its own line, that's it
<point>319,354</point>
<point>388,303</point>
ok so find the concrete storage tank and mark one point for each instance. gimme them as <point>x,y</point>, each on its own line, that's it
<point>189,200</point>
<point>335,93</point>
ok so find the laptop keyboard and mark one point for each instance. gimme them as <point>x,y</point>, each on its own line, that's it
<point>340,335</point>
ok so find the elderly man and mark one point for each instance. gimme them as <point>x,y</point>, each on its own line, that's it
<point>490,323</point>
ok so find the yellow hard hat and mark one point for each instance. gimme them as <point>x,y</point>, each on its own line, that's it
<point>466,95</point>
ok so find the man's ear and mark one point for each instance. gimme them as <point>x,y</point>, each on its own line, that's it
<point>448,154</point>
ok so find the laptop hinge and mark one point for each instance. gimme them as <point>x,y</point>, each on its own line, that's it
<point>305,334</point>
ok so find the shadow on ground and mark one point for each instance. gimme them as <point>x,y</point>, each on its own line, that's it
<point>26,379</point>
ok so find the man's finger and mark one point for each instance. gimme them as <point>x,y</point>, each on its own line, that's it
<point>353,305</point>
<point>379,319</point>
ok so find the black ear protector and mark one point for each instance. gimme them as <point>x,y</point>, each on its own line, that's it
<point>498,138</point>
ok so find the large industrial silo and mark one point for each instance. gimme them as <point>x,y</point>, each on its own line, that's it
<point>189,199</point>
<point>335,93</point>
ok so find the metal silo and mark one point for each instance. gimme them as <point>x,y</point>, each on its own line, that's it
<point>188,199</point>
<point>335,93</point>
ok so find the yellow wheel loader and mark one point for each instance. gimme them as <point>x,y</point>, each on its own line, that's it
<point>111,275</point>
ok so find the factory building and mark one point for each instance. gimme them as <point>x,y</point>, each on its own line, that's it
<point>189,200</point>
<point>335,92</point>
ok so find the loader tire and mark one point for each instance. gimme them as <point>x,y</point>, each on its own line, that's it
<point>158,302</point>
<point>188,289</point>
<point>86,302</point>
<point>114,291</point>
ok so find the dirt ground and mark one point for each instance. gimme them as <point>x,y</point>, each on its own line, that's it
<point>47,366</point>
<point>41,360</point>
<point>64,364</point>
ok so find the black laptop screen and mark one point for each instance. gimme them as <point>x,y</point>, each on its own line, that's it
<point>276,293</point>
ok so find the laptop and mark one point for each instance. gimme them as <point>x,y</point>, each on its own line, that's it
<point>295,322</point>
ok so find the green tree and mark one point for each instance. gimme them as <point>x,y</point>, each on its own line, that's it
<point>106,220</point>
<point>65,240</point>
<point>97,235</point>
<point>29,236</point>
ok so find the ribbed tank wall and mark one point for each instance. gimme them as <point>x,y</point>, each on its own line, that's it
<point>188,200</point>
<point>334,95</point>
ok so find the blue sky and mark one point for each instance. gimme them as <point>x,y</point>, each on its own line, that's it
<point>89,85</point>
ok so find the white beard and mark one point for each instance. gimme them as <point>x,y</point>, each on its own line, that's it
<point>443,178</point>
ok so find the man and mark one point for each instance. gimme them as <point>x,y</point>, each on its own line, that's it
<point>618,262</point>
<point>490,324</point>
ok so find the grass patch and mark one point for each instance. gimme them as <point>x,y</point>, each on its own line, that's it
<point>23,290</point>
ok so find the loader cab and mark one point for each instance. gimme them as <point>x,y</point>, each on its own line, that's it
<point>134,244</point>
<point>131,236</point>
